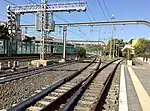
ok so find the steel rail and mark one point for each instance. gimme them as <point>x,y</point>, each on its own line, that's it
<point>73,100</point>
<point>32,100</point>
<point>16,76</point>
<point>34,69</point>
<point>56,103</point>
<point>105,87</point>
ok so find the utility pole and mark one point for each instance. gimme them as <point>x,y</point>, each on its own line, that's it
<point>111,39</point>
<point>110,49</point>
<point>64,42</point>
<point>43,31</point>
<point>118,50</point>
<point>114,42</point>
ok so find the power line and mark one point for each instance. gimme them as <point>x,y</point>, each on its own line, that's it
<point>77,34</point>
<point>32,1</point>
<point>69,22</point>
<point>88,16</point>
<point>9,2</point>
<point>102,9</point>
<point>91,12</point>
<point>107,9</point>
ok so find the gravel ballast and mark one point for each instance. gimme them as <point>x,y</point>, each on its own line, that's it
<point>16,91</point>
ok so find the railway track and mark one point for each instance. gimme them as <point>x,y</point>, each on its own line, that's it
<point>68,84</point>
<point>7,77</point>
<point>82,91</point>
<point>89,95</point>
<point>94,91</point>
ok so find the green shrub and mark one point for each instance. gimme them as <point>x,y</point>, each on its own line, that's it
<point>81,52</point>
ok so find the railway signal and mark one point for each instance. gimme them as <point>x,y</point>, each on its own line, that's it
<point>11,23</point>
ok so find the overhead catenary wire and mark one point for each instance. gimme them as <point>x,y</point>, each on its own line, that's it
<point>88,16</point>
<point>9,2</point>
<point>32,1</point>
<point>108,13</point>
<point>99,4</point>
<point>107,9</point>
<point>64,20</point>
<point>91,12</point>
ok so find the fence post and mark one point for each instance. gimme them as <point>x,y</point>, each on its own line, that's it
<point>9,64</point>
<point>0,66</point>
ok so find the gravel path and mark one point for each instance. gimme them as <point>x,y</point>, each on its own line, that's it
<point>16,91</point>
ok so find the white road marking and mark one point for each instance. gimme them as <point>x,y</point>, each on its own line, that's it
<point>123,105</point>
<point>141,93</point>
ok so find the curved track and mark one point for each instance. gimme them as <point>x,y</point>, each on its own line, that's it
<point>78,92</point>
<point>63,87</point>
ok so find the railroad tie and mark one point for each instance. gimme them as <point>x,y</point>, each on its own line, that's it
<point>34,108</point>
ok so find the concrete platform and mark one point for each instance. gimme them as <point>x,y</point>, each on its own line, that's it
<point>37,63</point>
<point>135,88</point>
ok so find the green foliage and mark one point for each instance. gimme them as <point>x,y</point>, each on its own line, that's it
<point>127,54</point>
<point>94,47</point>
<point>4,32</point>
<point>118,43</point>
<point>81,52</point>
<point>140,46</point>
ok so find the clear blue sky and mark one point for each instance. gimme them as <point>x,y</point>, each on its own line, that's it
<point>122,10</point>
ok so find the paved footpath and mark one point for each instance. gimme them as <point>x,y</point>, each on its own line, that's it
<point>135,87</point>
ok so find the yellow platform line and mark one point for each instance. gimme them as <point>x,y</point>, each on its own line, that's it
<point>141,93</point>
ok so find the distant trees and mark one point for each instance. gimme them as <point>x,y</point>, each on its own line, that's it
<point>94,47</point>
<point>81,52</point>
<point>127,53</point>
<point>119,43</point>
<point>140,46</point>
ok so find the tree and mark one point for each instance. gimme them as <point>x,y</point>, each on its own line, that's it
<point>94,47</point>
<point>119,43</point>
<point>127,53</point>
<point>140,46</point>
<point>81,52</point>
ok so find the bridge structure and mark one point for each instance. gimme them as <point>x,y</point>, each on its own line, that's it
<point>85,42</point>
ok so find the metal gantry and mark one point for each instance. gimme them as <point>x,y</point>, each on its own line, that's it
<point>51,7</point>
<point>136,22</point>
<point>45,8</point>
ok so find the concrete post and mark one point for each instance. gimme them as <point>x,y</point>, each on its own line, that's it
<point>110,49</point>
<point>113,48</point>
<point>17,63</point>
<point>64,42</point>
<point>9,64</point>
<point>14,64</point>
<point>148,60</point>
<point>0,66</point>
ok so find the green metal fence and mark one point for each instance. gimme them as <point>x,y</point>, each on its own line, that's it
<point>16,47</point>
